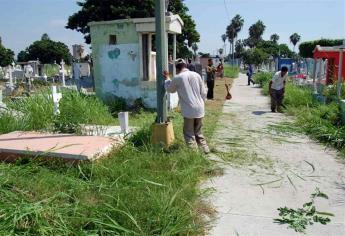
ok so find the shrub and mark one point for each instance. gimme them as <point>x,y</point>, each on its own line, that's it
<point>262,78</point>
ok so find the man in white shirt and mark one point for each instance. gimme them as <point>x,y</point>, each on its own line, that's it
<point>192,94</point>
<point>277,89</point>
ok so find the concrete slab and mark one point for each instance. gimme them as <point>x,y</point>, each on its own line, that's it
<point>106,131</point>
<point>69,147</point>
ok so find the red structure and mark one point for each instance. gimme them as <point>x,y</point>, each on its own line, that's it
<point>332,56</point>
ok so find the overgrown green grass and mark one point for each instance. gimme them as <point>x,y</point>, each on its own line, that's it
<point>133,192</point>
<point>231,71</point>
<point>36,113</point>
<point>138,190</point>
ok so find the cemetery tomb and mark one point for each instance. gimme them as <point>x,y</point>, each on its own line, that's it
<point>62,146</point>
<point>124,60</point>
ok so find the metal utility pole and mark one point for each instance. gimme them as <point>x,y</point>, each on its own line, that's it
<point>161,45</point>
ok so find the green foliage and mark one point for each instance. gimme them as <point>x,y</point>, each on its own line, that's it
<point>275,50</point>
<point>94,10</point>
<point>239,49</point>
<point>6,56</point>
<point>255,56</point>
<point>274,38</point>
<point>302,217</point>
<point>255,34</point>
<point>262,78</point>
<point>231,71</point>
<point>294,39</point>
<point>47,51</point>
<point>306,48</point>
<point>36,113</point>
<point>298,96</point>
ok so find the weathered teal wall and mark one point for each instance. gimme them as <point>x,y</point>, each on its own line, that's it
<point>117,67</point>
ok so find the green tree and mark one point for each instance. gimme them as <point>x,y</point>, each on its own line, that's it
<point>294,39</point>
<point>285,51</point>
<point>275,50</point>
<point>306,48</point>
<point>6,56</point>
<point>23,56</point>
<point>255,56</point>
<point>239,48</point>
<point>47,51</point>
<point>275,38</point>
<point>96,10</point>
<point>233,29</point>
<point>255,34</point>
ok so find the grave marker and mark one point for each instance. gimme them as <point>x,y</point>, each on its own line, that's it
<point>56,99</point>
<point>123,118</point>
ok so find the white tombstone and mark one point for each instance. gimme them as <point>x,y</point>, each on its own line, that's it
<point>63,72</point>
<point>56,99</point>
<point>123,118</point>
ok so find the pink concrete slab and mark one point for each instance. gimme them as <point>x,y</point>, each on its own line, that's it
<point>71,147</point>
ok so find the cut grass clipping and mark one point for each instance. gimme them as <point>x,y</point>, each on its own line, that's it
<point>307,215</point>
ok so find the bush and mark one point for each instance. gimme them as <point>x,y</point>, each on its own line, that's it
<point>306,48</point>
<point>262,78</point>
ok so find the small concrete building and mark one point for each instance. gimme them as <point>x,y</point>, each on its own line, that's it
<point>124,61</point>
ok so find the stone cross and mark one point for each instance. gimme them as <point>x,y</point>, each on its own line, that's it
<point>56,99</point>
<point>63,72</point>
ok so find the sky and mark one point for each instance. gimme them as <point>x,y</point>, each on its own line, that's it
<point>22,21</point>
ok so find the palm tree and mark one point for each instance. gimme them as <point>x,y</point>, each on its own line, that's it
<point>233,29</point>
<point>274,38</point>
<point>224,37</point>
<point>195,49</point>
<point>255,33</point>
<point>294,39</point>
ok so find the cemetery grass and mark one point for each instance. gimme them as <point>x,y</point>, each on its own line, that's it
<point>138,190</point>
<point>231,71</point>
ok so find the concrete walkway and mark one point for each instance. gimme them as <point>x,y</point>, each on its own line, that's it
<point>284,171</point>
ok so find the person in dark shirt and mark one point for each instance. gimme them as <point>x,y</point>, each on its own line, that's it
<point>250,74</point>
<point>211,75</point>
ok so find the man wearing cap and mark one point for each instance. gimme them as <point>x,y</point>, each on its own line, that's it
<point>192,94</point>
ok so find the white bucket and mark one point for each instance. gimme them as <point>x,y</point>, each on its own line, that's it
<point>123,118</point>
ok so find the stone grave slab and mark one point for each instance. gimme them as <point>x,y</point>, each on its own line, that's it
<point>62,146</point>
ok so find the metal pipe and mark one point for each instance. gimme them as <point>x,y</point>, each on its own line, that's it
<point>161,60</point>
